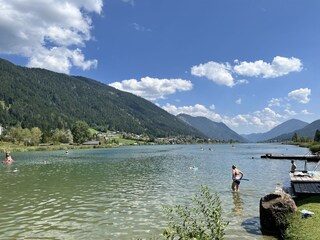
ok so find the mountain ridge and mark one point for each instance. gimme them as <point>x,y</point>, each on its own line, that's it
<point>283,128</point>
<point>211,129</point>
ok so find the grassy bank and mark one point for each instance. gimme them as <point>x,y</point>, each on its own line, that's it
<point>21,148</point>
<point>305,228</point>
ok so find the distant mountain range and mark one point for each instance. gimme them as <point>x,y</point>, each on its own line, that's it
<point>211,129</point>
<point>282,132</point>
<point>287,127</point>
<point>308,132</point>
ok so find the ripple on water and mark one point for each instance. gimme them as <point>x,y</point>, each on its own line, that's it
<point>119,193</point>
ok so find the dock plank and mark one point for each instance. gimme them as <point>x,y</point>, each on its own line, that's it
<point>304,177</point>
<point>310,188</point>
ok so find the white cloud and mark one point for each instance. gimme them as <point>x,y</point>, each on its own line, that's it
<point>197,110</point>
<point>306,112</point>
<point>217,72</point>
<point>222,73</point>
<point>280,66</point>
<point>153,88</point>
<point>238,101</point>
<point>139,27</point>
<point>212,107</point>
<point>275,102</point>
<point>301,95</point>
<point>49,33</point>
<point>131,2</point>
<point>290,112</point>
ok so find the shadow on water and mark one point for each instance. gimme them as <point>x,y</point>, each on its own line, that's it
<point>252,226</point>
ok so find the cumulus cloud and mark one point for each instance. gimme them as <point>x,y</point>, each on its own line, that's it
<point>238,101</point>
<point>49,33</point>
<point>301,95</point>
<point>223,73</point>
<point>219,73</point>
<point>279,66</point>
<point>275,102</point>
<point>153,88</point>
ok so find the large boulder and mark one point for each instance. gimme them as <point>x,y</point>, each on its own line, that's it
<point>274,208</point>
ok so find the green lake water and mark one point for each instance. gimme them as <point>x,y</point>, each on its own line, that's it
<point>119,193</point>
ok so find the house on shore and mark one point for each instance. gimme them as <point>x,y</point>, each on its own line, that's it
<point>92,143</point>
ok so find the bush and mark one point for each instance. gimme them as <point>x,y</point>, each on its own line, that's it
<point>202,220</point>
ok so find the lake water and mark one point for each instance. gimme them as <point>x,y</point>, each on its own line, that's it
<point>119,193</point>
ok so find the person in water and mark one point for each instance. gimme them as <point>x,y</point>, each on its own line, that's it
<point>236,177</point>
<point>8,158</point>
<point>293,166</point>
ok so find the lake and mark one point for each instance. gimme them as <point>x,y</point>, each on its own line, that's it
<point>119,193</point>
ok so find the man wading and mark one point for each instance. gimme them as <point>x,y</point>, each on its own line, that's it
<point>236,177</point>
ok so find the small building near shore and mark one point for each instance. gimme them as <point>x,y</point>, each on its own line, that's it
<point>92,143</point>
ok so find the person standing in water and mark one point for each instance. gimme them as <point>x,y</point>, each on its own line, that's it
<point>236,177</point>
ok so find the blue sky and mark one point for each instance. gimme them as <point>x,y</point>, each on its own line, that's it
<point>251,64</point>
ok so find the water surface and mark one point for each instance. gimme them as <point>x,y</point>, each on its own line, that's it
<point>119,193</point>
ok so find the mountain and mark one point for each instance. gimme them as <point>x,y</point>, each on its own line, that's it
<point>284,128</point>
<point>40,98</point>
<point>308,131</point>
<point>212,129</point>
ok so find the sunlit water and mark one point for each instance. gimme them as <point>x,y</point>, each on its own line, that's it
<point>120,193</point>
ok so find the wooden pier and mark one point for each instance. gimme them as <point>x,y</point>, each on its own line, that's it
<point>310,157</point>
<point>305,182</point>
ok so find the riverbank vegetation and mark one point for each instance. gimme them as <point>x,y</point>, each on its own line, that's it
<point>305,228</point>
<point>202,219</point>
<point>19,139</point>
<point>312,144</point>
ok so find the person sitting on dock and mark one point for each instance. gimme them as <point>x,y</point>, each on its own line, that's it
<point>236,177</point>
<point>293,166</point>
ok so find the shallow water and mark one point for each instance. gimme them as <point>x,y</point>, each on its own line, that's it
<point>119,193</point>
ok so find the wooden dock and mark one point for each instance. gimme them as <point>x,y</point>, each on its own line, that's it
<point>305,182</point>
<point>310,157</point>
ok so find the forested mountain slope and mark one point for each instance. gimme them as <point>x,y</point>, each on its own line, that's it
<point>48,100</point>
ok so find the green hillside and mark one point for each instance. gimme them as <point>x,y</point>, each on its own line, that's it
<point>48,100</point>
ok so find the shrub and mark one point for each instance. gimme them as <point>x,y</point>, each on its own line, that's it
<point>202,220</point>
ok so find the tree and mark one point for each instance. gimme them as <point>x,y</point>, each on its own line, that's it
<point>80,132</point>
<point>26,136</point>
<point>36,135</point>
<point>317,136</point>
<point>62,136</point>
<point>295,137</point>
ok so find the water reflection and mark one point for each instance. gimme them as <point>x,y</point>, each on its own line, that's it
<point>238,204</point>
